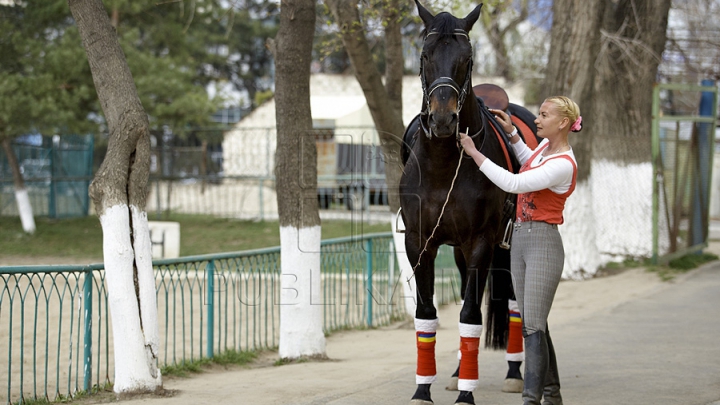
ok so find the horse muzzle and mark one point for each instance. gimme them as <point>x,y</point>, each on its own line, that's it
<point>444,124</point>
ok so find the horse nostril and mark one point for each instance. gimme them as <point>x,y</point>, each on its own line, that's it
<point>454,116</point>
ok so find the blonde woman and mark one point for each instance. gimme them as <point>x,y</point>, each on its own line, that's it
<point>545,180</point>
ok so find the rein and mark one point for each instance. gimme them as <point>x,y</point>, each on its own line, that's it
<point>461,92</point>
<point>447,199</point>
<point>442,211</point>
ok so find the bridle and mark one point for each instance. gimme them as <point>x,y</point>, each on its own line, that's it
<point>460,91</point>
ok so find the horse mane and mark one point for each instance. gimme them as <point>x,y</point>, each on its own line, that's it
<point>444,24</point>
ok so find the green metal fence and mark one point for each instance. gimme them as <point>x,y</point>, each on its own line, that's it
<point>684,122</point>
<point>56,335</point>
<point>56,171</point>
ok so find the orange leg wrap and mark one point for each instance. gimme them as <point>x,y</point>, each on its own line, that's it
<point>469,348</point>
<point>426,354</point>
<point>515,339</point>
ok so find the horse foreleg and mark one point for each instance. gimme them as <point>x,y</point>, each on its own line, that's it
<point>470,328</point>
<point>426,372</point>
<point>462,269</point>
<point>470,325</point>
<point>426,323</point>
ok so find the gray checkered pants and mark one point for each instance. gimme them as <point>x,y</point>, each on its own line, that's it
<point>537,258</point>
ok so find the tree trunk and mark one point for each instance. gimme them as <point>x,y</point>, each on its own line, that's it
<point>498,36</point>
<point>382,100</point>
<point>21,195</point>
<point>301,321</point>
<point>119,192</point>
<point>394,60</point>
<point>633,40</point>
<point>602,56</point>
<point>575,44</point>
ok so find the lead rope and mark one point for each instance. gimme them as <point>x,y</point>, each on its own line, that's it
<point>442,211</point>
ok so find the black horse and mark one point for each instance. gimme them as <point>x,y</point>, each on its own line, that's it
<point>445,199</point>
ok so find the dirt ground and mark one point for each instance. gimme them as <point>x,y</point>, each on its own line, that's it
<point>361,358</point>
<point>358,359</point>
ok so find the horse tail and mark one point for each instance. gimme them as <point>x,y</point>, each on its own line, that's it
<point>500,291</point>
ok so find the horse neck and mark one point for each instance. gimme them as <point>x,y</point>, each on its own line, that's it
<point>470,118</point>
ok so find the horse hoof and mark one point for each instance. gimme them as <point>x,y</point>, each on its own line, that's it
<point>452,385</point>
<point>420,402</point>
<point>514,385</point>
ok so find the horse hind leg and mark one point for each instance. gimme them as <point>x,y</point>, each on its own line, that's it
<point>514,353</point>
<point>505,321</point>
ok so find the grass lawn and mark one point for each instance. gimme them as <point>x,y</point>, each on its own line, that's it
<point>199,234</point>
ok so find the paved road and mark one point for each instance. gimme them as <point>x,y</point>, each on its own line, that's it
<point>660,345</point>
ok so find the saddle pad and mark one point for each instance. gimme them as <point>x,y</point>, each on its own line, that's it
<point>526,132</point>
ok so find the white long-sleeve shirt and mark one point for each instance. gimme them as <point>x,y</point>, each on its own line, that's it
<point>555,174</point>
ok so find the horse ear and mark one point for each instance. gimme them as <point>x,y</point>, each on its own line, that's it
<point>425,15</point>
<point>471,18</point>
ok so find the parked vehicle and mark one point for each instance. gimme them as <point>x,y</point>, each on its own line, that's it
<point>351,170</point>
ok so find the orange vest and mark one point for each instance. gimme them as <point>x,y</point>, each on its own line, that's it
<point>544,205</point>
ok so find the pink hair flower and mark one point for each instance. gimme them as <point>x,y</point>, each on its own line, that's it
<point>577,125</point>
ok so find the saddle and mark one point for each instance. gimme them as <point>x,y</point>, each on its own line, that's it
<point>496,97</point>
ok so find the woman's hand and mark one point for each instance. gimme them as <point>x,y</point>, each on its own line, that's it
<point>503,119</point>
<point>468,146</point>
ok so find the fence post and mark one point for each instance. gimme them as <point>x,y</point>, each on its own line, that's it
<point>368,272</point>
<point>52,213</point>
<point>210,302</point>
<point>657,173</point>
<point>260,197</point>
<point>701,187</point>
<point>87,341</point>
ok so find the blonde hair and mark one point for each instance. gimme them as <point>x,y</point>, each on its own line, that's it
<point>565,107</point>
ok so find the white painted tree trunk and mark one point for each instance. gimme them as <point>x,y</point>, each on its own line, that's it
<point>25,210</point>
<point>622,202</point>
<point>135,327</point>
<point>582,258</point>
<point>301,304</point>
<point>609,218</point>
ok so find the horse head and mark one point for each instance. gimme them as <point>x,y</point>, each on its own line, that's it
<point>445,70</point>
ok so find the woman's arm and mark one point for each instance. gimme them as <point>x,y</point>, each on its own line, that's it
<point>554,172</point>
<point>522,151</point>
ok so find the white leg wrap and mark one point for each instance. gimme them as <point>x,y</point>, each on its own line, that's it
<point>515,356</point>
<point>468,330</point>
<point>467,385</point>
<point>422,379</point>
<point>426,325</point>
